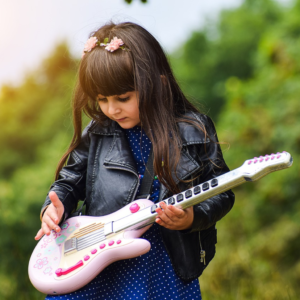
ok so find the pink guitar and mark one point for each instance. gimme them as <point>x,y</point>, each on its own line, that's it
<point>64,262</point>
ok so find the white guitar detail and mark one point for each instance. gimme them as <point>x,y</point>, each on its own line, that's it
<point>64,262</point>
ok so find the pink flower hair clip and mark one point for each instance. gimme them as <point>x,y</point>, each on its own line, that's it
<point>112,46</point>
<point>91,43</point>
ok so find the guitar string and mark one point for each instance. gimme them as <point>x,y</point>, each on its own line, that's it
<point>92,239</point>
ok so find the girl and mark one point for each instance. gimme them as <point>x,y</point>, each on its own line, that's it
<point>126,86</point>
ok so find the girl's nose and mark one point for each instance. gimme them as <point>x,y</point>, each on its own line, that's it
<point>113,108</point>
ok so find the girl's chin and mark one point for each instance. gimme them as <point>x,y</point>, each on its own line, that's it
<point>128,124</point>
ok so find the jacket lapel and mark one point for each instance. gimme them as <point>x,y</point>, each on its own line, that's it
<point>119,154</point>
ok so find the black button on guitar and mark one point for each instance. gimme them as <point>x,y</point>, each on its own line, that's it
<point>197,190</point>
<point>179,198</point>
<point>188,194</point>
<point>205,186</point>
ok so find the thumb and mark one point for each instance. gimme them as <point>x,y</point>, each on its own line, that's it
<point>55,200</point>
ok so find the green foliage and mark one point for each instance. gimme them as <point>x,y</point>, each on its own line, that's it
<point>35,121</point>
<point>259,241</point>
<point>34,112</point>
<point>210,56</point>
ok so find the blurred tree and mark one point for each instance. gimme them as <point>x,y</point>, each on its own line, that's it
<point>260,238</point>
<point>221,50</point>
<point>34,112</point>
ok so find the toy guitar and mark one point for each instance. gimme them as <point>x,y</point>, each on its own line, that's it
<point>66,261</point>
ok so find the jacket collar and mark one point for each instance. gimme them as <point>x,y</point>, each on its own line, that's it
<point>189,134</point>
<point>111,128</point>
<point>120,156</point>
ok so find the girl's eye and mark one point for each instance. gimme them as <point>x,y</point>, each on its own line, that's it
<point>101,99</point>
<point>123,99</point>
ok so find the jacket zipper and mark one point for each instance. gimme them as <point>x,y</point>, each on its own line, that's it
<point>202,252</point>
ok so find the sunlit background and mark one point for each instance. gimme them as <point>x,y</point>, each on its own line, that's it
<point>238,60</point>
<point>29,30</point>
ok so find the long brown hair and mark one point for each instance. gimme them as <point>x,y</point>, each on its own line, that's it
<point>142,67</point>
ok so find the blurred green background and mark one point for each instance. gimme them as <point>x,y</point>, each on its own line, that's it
<point>243,69</point>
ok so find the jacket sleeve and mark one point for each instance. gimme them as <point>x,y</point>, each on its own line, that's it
<point>70,187</point>
<point>210,158</point>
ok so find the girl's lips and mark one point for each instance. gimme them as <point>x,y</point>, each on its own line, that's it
<point>120,120</point>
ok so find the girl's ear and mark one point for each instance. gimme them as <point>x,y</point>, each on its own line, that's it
<point>164,79</point>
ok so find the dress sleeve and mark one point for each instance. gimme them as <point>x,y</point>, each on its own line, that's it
<point>70,187</point>
<point>210,158</point>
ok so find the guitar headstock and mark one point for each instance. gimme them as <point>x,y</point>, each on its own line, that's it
<point>258,167</point>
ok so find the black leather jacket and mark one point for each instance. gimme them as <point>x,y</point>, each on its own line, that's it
<point>102,170</point>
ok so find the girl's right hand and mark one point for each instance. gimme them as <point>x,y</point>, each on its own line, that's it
<point>51,217</point>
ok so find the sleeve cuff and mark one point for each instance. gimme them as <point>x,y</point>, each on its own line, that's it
<point>42,212</point>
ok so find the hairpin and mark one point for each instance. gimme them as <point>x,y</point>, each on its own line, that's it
<point>112,46</point>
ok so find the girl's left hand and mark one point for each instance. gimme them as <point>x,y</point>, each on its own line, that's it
<point>174,218</point>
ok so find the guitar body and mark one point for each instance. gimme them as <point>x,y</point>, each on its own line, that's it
<point>53,271</point>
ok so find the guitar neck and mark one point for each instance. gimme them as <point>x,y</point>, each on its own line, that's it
<point>251,170</point>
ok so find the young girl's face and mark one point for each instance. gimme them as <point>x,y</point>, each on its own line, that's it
<point>123,109</point>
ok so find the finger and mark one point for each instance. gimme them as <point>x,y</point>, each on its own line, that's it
<point>163,217</point>
<point>46,228</point>
<point>52,214</point>
<point>57,204</point>
<point>50,223</point>
<point>55,200</point>
<point>39,234</point>
<point>175,211</point>
<point>172,212</point>
<point>160,222</point>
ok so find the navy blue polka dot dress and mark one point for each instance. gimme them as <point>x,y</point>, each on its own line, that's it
<point>149,276</point>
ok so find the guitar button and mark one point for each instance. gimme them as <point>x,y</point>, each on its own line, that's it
<point>94,251</point>
<point>153,208</point>
<point>111,243</point>
<point>214,182</point>
<point>134,208</point>
<point>86,258</point>
<point>249,162</point>
<point>179,198</point>
<point>255,161</point>
<point>119,242</point>
<point>267,158</point>
<point>272,157</point>
<point>197,190</point>
<point>261,160</point>
<point>278,156</point>
<point>205,186</point>
<point>102,246</point>
<point>171,201</point>
<point>188,194</point>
